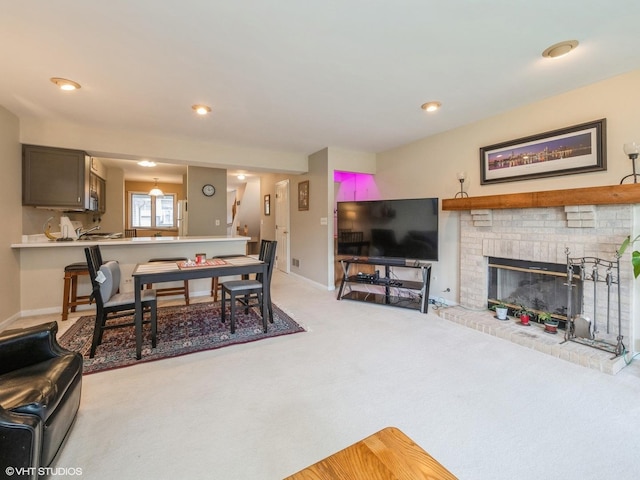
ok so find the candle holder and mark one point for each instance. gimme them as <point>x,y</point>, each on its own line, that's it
<point>461,194</point>
<point>631,149</point>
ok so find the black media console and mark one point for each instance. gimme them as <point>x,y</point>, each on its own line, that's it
<point>417,293</point>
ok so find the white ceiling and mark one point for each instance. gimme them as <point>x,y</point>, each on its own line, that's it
<point>302,75</point>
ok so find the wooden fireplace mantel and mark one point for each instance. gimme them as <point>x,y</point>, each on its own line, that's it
<point>607,195</point>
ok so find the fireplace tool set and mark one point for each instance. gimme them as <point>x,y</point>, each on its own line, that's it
<point>605,278</point>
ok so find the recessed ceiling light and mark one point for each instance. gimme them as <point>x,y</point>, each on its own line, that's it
<point>65,84</point>
<point>201,109</point>
<point>241,177</point>
<point>560,49</point>
<point>146,163</point>
<point>431,106</point>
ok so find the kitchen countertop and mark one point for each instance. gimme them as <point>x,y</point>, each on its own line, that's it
<point>40,241</point>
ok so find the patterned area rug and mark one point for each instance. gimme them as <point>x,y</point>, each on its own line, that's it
<point>181,330</point>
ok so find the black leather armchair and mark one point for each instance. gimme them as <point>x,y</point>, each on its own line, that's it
<point>40,386</point>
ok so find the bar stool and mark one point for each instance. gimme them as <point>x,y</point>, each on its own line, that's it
<point>215,287</point>
<point>70,297</point>
<point>162,292</point>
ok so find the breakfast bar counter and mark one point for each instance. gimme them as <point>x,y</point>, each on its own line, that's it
<point>42,263</point>
<point>40,241</point>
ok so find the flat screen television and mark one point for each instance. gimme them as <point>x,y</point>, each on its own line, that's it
<point>394,229</point>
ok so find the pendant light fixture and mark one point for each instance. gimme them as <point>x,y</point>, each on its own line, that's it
<point>155,191</point>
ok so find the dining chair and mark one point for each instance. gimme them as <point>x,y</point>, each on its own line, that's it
<point>216,284</point>
<point>248,292</point>
<point>110,304</point>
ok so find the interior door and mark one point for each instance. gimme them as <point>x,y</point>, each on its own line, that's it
<point>282,225</point>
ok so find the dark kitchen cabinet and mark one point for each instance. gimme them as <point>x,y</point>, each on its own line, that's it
<point>98,194</point>
<point>57,178</point>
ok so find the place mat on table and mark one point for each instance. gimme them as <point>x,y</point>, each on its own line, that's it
<point>207,263</point>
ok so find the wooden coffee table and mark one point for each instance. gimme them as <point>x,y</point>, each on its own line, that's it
<point>386,455</point>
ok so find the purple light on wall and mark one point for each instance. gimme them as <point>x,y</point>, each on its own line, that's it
<point>343,176</point>
<point>355,186</point>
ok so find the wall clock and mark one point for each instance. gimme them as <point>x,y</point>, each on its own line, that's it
<point>209,190</point>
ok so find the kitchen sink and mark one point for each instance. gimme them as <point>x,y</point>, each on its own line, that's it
<point>100,236</point>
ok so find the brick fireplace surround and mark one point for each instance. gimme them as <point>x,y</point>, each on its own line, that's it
<point>541,227</point>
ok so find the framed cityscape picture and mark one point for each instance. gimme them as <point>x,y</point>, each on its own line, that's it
<point>577,149</point>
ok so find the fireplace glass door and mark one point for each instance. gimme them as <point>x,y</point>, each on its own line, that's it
<point>537,286</point>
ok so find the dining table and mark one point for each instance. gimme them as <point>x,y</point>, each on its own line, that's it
<point>170,271</point>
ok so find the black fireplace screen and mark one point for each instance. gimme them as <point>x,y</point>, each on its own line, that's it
<point>537,286</point>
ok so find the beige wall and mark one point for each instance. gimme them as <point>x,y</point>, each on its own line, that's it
<point>10,214</point>
<point>308,235</point>
<point>114,219</point>
<point>205,212</point>
<point>350,161</point>
<point>427,168</point>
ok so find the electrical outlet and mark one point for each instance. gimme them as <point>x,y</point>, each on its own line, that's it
<point>217,222</point>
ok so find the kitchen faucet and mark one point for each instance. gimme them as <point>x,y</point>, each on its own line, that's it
<point>81,234</point>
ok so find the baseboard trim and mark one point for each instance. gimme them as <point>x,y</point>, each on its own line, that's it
<point>313,282</point>
<point>8,321</point>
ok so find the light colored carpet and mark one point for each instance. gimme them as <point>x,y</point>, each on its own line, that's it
<point>484,407</point>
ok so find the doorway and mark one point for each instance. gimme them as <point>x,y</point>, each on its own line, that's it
<point>282,225</point>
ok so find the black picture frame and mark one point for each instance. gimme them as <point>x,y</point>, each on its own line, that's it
<point>267,204</point>
<point>566,151</point>
<point>303,195</point>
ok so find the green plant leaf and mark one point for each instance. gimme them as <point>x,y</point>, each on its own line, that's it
<point>635,261</point>
<point>624,245</point>
<point>635,256</point>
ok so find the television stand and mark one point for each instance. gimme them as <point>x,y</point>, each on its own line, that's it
<point>390,294</point>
